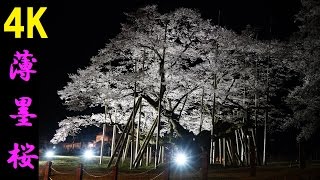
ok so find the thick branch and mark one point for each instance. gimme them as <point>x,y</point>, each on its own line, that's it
<point>188,45</point>
<point>235,103</point>
<point>174,118</point>
<point>179,101</point>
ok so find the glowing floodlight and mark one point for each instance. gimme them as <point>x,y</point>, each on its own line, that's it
<point>49,154</point>
<point>88,154</point>
<point>181,159</point>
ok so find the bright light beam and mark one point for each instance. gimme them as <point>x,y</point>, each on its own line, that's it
<point>49,154</point>
<point>181,159</point>
<point>88,154</point>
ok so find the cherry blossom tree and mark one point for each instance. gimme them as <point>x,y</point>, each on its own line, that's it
<point>191,57</point>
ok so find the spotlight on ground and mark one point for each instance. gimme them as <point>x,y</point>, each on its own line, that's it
<point>49,154</point>
<point>181,159</point>
<point>88,154</point>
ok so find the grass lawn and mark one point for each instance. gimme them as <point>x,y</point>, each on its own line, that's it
<point>72,162</point>
<point>65,168</point>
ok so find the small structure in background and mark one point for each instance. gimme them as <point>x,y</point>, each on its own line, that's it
<point>75,146</point>
<point>94,145</point>
<point>105,139</point>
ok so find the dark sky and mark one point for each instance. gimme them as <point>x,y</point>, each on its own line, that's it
<point>77,30</point>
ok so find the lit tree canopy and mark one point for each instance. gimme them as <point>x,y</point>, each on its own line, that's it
<point>191,55</point>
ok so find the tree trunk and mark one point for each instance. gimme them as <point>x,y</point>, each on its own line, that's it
<point>174,118</point>
<point>162,90</point>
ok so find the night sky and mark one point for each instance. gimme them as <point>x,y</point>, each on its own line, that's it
<point>77,30</point>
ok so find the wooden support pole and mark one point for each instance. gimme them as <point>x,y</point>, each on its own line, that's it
<point>239,160</point>
<point>114,132</point>
<point>242,147</point>
<point>79,172</point>
<point>220,151</point>
<point>123,137</point>
<point>103,131</point>
<point>162,154</point>
<point>118,146</point>
<point>255,145</point>
<point>125,150</point>
<point>150,154</point>
<point>115,172</point>
<point>47,170</point>
<point>229,152</point>
<point>145,143</point>
<point>159,155</point>
<point>102,141</point>
<point>132,151</point>
<point>233,151</point>
<point>237,143</point>
<point>239,148</point>
<point>211,161</point>
<point>147,156</point>
<point>213,152</point>
<point>138,132</point>
<point>265,138</point>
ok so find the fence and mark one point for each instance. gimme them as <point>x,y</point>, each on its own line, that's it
<point>80,173</point>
